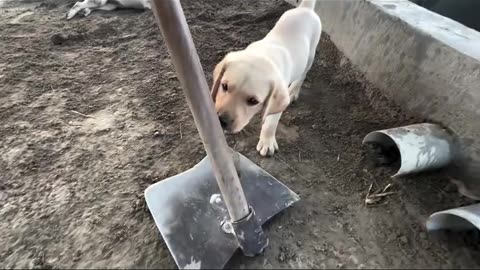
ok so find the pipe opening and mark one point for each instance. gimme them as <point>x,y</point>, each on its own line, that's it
<point>382,150</point>
<point>458,239</point>
<point>458,225</point>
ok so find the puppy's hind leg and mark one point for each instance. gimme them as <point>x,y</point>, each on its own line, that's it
<point>267,145</point>
<point>108,7</point>
<point>296,86</point>
<point>147,4</point>
<point>294,89</point>
<point>86,5</point>
<point>76,8</point>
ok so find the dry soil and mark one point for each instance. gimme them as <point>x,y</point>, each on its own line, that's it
<point>88,124</point>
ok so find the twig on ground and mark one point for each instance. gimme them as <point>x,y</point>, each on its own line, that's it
<point>289,166</point>
<point>73,124</point>
<point>165,152</point>
<point>386,188</point>
<point>375,198</point>
<point>358,242</point>
<point>81,114</point>
<point>383,194</point>
<point>299,149</point>
<point>181,134</point>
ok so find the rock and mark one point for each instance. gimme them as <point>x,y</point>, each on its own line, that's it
<point>59,38</point>
<point>319,248</point>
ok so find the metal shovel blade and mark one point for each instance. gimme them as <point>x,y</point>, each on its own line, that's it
<point>188,210</point>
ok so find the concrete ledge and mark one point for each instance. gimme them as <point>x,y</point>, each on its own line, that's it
<point>424,62</point>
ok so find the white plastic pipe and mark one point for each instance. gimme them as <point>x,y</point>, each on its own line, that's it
<point>422,146</point>
<point>457,219</point>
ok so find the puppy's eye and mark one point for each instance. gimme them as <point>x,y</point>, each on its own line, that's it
<point>252,101</point>
<point>225,87</point>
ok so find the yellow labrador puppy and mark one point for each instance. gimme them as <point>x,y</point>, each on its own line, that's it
<point>267,75</point>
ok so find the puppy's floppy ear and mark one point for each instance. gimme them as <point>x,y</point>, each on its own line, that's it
<point>217,78</point>
<point>278,98</point>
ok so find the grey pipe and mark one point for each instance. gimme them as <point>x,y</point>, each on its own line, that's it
<point>422,147</point>
<point>456,219</point>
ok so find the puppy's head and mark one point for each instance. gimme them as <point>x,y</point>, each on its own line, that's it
<point>244,85</point>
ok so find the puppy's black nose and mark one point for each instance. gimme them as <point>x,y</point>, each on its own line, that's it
<point>224,121</point>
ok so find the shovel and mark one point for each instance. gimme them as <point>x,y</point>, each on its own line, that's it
<point>206,213</point>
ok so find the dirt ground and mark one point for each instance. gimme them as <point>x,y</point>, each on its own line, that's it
<point>87,125</point>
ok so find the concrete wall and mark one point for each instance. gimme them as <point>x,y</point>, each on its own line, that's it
<point>427,63</point>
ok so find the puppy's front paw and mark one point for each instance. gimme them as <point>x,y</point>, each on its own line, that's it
<point>267,146</point>
<point>70,14</point>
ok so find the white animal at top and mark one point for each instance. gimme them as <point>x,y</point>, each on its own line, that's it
<point>88,5</point>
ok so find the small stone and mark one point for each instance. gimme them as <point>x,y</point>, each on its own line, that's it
<point>423,235</point>
<point>299,222</point>
<point>59,38</point>
<point>316,233</point>
<point>299,243</point>
<point>36,262</point>
<point>404,239</point>
<point>281,257</point>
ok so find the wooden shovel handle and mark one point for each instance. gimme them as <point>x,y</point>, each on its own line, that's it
<point>177,37</point>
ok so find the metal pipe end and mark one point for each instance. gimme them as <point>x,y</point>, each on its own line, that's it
<point>457,219</point>
<point>250,235</point>
<point>420,147</point>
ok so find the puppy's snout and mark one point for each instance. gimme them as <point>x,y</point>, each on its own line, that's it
<point>225,121</point>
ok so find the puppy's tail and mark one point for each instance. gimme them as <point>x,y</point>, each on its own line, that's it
<point>308,4</point>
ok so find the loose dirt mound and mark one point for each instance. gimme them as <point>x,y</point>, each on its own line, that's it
<point>88,124</point>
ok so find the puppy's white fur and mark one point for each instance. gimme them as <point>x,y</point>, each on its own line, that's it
<point>88,5</point>
<point>270,71</point>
